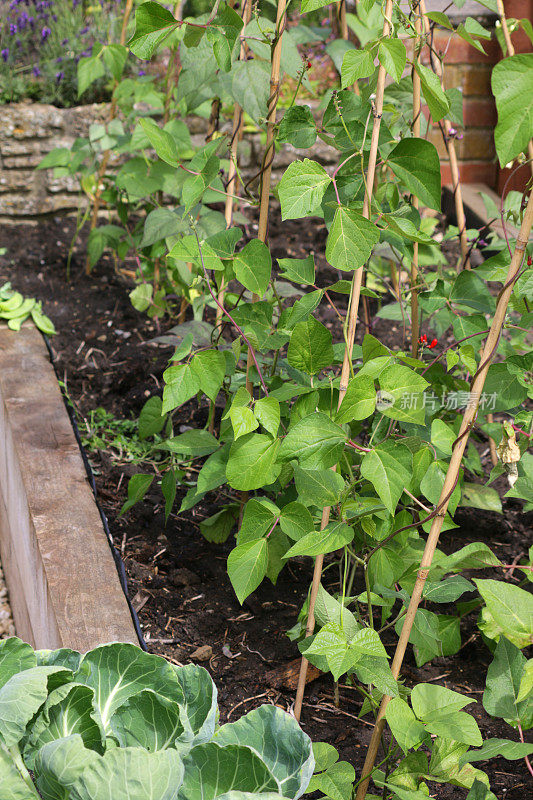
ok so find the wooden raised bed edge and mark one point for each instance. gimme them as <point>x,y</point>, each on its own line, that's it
<point>61,576</point>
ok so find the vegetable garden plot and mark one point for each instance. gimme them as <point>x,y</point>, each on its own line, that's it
<point>330,444</point>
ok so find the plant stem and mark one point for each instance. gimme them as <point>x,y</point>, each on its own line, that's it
<point>268,158</point>
<point>173,69</point>
<point>236,135</point>
<point>478,381</point>
<point>232,187</point>
<point>526,758</point>
<point>226,312</point>
<point>350,336</point>
<point>107,153</point>
<point>15,754</point>
<point>417,111</point>
<point>449,142</point>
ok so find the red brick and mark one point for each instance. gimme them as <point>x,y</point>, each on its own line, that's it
<point>479,113</point>
<point>520,9</point>
<point>471,172</point>
<point>473,79</point>
<point>477,144</point>
<point>518,181</point>
<point>455,50</point>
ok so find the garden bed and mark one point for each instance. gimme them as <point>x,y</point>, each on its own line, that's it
<point>178,580</point>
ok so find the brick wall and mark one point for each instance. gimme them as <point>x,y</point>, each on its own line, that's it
<point>470,70</point>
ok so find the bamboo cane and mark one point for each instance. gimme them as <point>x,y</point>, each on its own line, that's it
<point>268,158</point>
<point>344,32</point>
<point>233,181</point>
<point>417,110</point>
<point>449,141</point>
<point>505,28</point>
<point>173,68</point>
<point>105,157</point>
<point>350,336</point>
<point>450,482</point>
<point>236,135</point>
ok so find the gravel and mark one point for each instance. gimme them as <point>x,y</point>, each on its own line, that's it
<point>7,627</point>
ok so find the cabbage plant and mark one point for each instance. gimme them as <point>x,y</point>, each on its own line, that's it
<point>120,723</point>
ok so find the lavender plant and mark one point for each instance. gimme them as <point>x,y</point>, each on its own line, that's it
<point>42,42</point>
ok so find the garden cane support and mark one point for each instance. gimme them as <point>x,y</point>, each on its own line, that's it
<point>417,110</point>
<point>350,336</point>
<point>233,180</point>
<point>268,158</point>
<point>450,482</point>
<point>105,157</point>
<point>236,135</point>
<point>449,142</point>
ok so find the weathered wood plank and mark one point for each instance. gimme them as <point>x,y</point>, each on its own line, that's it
<point>59,570</point>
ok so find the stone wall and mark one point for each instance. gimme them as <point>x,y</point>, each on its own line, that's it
<point>31,130</point>
<point>27,133</point>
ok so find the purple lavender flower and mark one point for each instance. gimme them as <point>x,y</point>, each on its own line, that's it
<point>54,17</point>
<point>141,73</point>
<point>59,76</point>
<point>5,54</point>
<point>31,22</point>
<point>12,29</point>
<point>64,42</point>
<point>36,71</point>
<point>84,30</point>
<point>45,33</point>
<point>59,60</point>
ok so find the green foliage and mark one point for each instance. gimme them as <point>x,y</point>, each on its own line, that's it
<point>15,309</point>
<point>512,84</point>
<point>276,442</point>
<point>46,50</point>
<point>117,722</point>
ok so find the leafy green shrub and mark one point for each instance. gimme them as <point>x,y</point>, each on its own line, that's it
<point>119,723</point>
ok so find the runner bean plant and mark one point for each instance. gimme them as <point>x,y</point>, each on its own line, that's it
<point>355,454</point>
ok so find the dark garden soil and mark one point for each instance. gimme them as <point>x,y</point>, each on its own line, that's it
<point>177,579</point>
